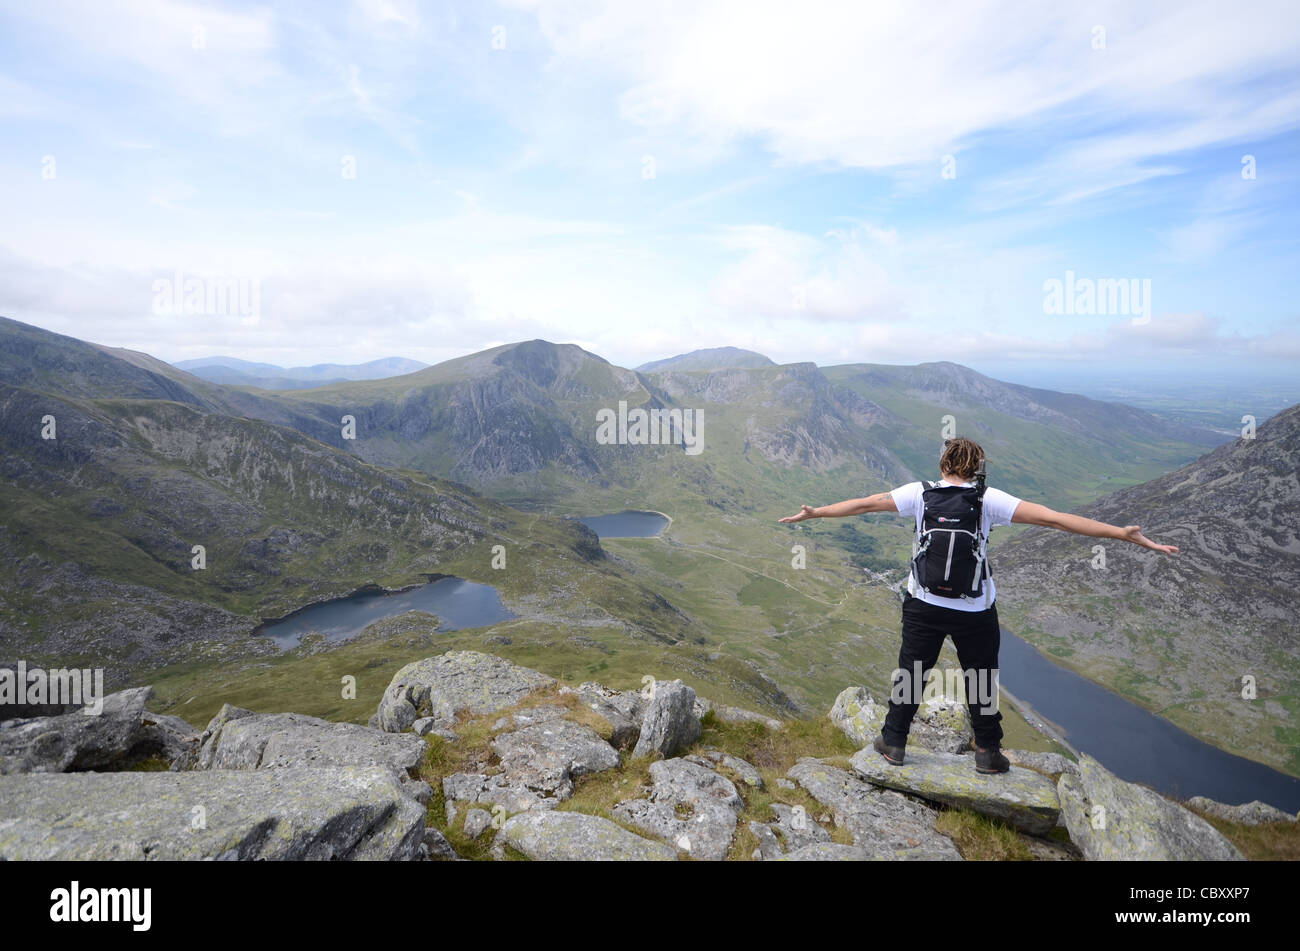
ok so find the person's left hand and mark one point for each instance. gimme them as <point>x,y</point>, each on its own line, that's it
<point>805,511</point>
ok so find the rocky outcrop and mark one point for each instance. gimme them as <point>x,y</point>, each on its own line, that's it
<point>1049,764</point>
<point>941,724</point>
<point>544,758</point>
<point>441,686</point>
<point>623,709</point>
<point>727,764</point>
<point>1109,818</point>
<point>537,763</point>
<point>669,724</point>
<point>575,836</point>
<point>237,739</point>
<point>881,822</point>
<point>123,733</point>
<point>729,714</point>
<point>1248,813</point>
<point>1020,797</point>
<point>689,805</point>
<point>337,813</point>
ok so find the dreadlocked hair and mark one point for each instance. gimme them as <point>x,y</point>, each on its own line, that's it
<point>962,457</point>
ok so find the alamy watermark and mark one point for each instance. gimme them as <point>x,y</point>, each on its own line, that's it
<point>651,427</point>
<point>980,686</point>
<point>1109,295</point>
<point>222,296</point>
<point>21,685</point>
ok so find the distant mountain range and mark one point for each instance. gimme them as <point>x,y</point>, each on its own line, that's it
<point>488,449</point>
<point>235,372</point>
<point>718,358</point>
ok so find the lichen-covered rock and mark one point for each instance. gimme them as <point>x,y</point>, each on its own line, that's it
<point>828,852</point>
<point>1109,818</point>
<point>281,740</point>
<point>531,715</point>
<point>1051,764</point>
<point>1020,797</point>
<point>334,813</point>
<point>941,723</point>
<point>729,714</point>
<point>437,846</point>
<point>1251,813</point>
<point>169,737</point>
<point>796,828</point>
<point>623,709</point>
<point>575,836</point>
<point>726,763</point>
<point>670,724</point>
<point>77,741</point>
<point>880,821</point>
<point>457,680</point>
<point>545,757</point>
<point>690,806</point>
<point>492,790</point>
<point>769,847</point>
<point>476,822</point>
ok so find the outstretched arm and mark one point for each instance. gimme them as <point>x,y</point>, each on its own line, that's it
<point>881,502</point>
<point>1031,513</point>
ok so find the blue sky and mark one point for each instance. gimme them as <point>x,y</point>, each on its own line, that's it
<point>647,179</point>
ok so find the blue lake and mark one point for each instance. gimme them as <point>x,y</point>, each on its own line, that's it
<point>1133,743</point>
<point>627,524</point>
<point>456,602</point>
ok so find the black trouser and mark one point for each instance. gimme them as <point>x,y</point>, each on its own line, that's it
<point>976,636</point>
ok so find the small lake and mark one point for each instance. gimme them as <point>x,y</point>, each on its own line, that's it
<point>457,603</point>
<point>627,524</point>
<point>1133,743</point>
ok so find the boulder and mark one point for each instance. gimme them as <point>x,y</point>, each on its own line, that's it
<point>282,740</point>
<point>796,828</point>
<point>670,724</point>
<point>545,757</point>
<point>769,847</point>
<point>1051,764</point>
<point>689,805</point>
<point>492,790</point>
<point>623,709</point>
<point>880,821</point>
<point>169,737</point>
<point>476,823</point>
<point>575,836</point>
<point>457,680</point>
<point>941,724</point>
<point>726,763</point>
<point>1020,797</point>
<point>437,847</point>
<point>1251,813</point>
<point>78,741</point>
<point>1109,818</point>
<point>728,714</point>
<point>333,813</point>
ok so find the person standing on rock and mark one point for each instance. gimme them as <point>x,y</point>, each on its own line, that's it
<point>950,590</point>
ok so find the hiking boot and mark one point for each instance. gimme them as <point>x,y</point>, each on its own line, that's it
<point>991,760</point>
<point>893,754</point>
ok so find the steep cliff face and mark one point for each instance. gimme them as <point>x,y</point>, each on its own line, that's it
<point>1184,634</point>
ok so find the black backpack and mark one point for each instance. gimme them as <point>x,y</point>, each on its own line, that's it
<point>950,559</point>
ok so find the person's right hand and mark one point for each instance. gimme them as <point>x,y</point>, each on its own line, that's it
<point>805,511</point>
<point>1133,533</point>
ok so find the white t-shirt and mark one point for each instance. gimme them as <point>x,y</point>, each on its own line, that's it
<point>999,506</point>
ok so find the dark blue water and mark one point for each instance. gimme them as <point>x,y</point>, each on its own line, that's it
<point>1131,742</point>
<point>456,602</point>
<point>626,524</point>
